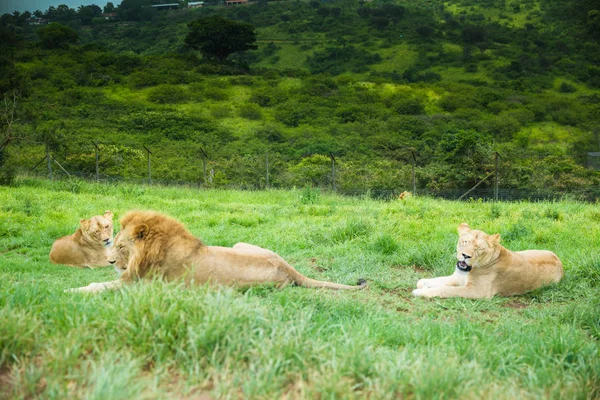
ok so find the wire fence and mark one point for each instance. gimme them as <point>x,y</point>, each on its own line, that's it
<point>493,179</point>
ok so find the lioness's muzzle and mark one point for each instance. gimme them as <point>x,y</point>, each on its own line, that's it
<point>463,266</point>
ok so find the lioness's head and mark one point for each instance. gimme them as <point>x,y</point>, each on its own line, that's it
<point>118,255</point>
<point>98,229</point>
<point>475,249</point>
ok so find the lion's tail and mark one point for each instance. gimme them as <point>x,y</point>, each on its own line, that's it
<point>313,283</point>
<point>304,281</point>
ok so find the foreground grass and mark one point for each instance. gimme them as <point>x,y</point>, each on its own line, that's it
<point>156,340</point>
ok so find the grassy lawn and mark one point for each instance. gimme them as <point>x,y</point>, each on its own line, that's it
<point>156,340</point>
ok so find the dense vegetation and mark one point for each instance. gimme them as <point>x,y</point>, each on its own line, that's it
<point>370,83</point>
<point>156,341</point>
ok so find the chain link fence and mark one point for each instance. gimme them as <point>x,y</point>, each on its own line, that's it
<point>494,179</point>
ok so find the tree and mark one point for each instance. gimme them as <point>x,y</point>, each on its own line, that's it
<point>62,13</point>
<point>56,36</point>
<point>216,37</point>
<point>10,76</point>
<point>88,13</point>
<point>425,31</point>
<point>7,135</point>
<point>109,8</point>
<point>135,10</point>
<point>393,12</point>
<point>380,22</point>
<point>472,34</point>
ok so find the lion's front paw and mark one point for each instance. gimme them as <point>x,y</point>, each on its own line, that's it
<point>91,288</point>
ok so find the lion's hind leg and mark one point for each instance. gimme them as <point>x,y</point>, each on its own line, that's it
<point>251,247</point>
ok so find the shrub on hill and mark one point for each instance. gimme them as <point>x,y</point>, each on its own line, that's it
<point>168,94</point>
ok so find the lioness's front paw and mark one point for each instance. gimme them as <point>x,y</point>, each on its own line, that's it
<point>423,283</point>
<point>422,293</point>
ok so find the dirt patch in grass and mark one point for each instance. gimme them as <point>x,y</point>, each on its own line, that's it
<point>516,304</point>
<point>418,269</point>
<point>5,380</point>
<point>174,388</point>
<point>313,265</point>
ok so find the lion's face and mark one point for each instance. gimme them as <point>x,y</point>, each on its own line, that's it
<point>98,229</point>
<point>475,249</point>
<point>118,255</point>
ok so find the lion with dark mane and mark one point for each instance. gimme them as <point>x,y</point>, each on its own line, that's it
<point>151,244</point>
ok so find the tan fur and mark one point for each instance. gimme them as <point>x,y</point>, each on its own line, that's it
<point>404,195</point>
<point>494,269</point>
<point>87,246</point>
<point>151,244</point>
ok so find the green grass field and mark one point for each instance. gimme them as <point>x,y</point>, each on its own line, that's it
<point>155,340</point>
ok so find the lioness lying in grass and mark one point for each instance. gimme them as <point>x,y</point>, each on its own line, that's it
<point>151,244</point>
<point>485,268</point>
<point>87,246</point>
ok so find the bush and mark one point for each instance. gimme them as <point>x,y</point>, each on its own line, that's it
<point>410,106</point>
<point>215,93</point>
<point>337,60</point>
<point>142,79</point>
<point>261,98</point>
<point>168,94</point>
<point>293,113</point>
<point>250,111</point>
<point>7,170</point>
<point>501,127</point>
<point>451,102</point>
<point>220,112</point>
<point>357,113</point>
<point>311,171</point>
<point>567,88</point>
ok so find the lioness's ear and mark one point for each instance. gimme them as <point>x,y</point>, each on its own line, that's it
<point>140,232</point>
<point>494,239</point>
<point>463,228</point>
<point>108,215</point>
<point>84,223</point>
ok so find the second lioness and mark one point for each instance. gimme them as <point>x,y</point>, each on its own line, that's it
<point>87,246</point>
<point>152,244</point>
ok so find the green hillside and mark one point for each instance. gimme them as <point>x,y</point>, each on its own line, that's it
<point>371,83</point>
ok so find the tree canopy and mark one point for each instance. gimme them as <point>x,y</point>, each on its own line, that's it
<point>55,36</point>
<point>217,38</point>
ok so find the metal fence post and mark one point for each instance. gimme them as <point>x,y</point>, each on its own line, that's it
<point>97,165</point>
<point>49,160</point>
<point>497,156</point>
<point>332,171</point>
<point>149,170</point>
<point>414,179</point>
<point>204,157</point>
<point>267,160</point>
